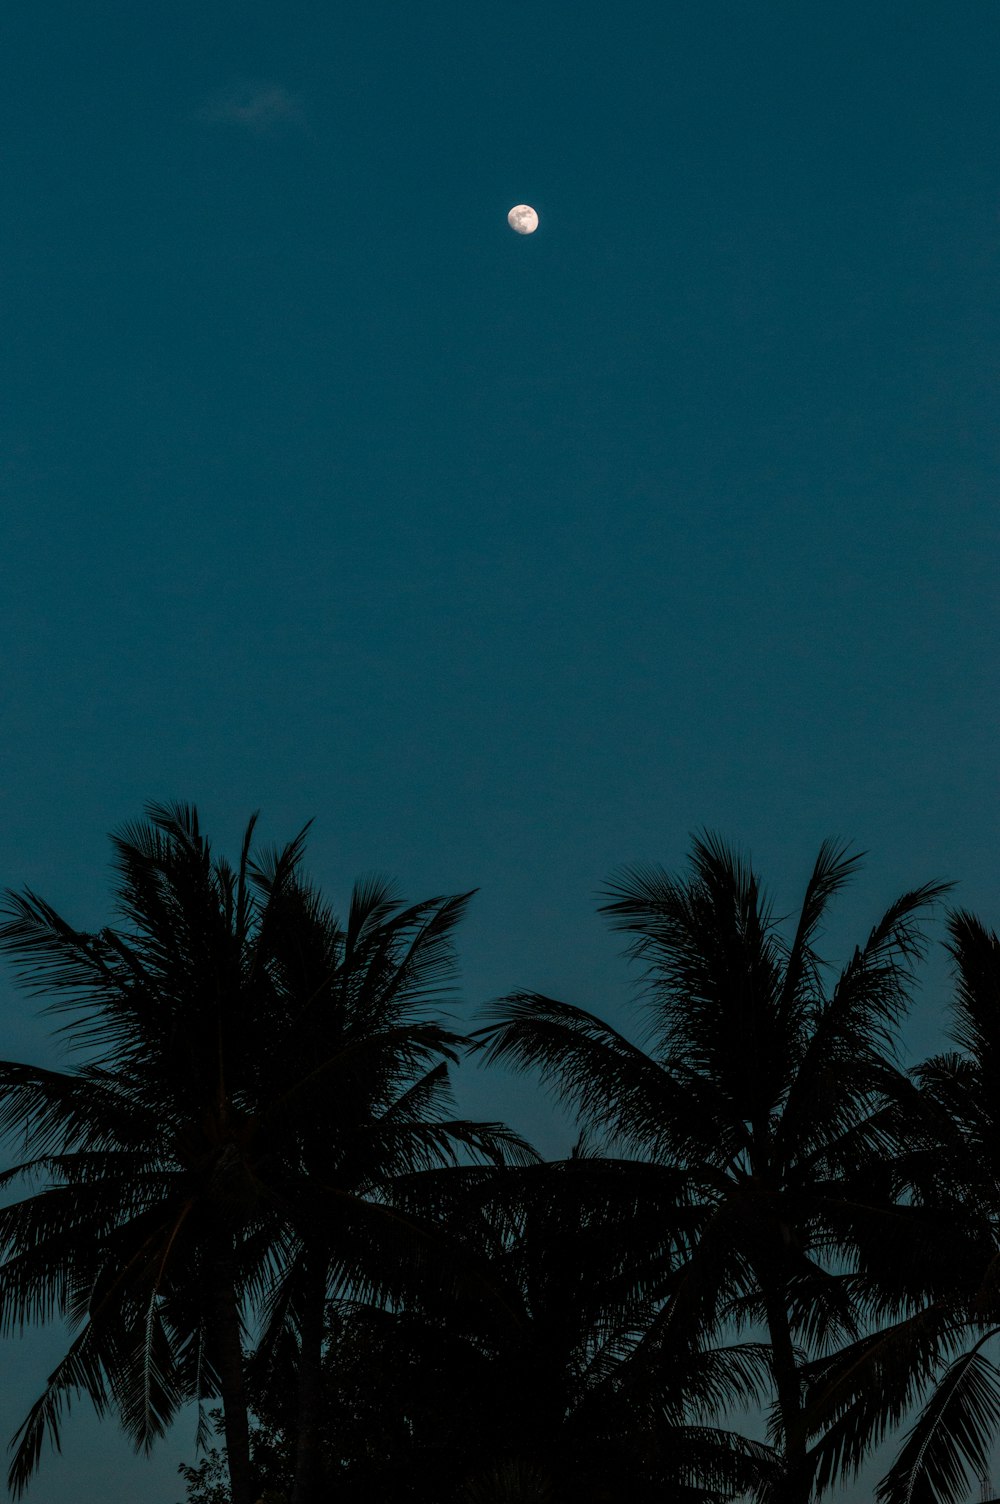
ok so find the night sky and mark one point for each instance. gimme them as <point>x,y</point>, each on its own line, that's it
<point>511,559</point>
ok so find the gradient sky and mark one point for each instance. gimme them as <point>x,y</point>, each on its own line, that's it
<point>509,559</point>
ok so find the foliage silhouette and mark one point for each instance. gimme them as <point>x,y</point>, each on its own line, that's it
<point>257,1141</point>
<point>534,1366</point>
<point>764,1088</point>
<point>950,1142</point>
<point>255,1077</point>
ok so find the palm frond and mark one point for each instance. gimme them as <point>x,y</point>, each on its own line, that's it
<point>853,1036</point>
<point>146,1388</point>
<point>616,1088</point>
<point>949,1444</point>
<point>80,1371</point>
<point>49,1109</point>
<point>47,952</point>
<point>409,962</point>
<point>834,868</point>
<point>712,973</point>
<point>975,951</point>
<point>855,1397</point>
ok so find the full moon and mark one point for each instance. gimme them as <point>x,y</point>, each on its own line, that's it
<point>523,219</point>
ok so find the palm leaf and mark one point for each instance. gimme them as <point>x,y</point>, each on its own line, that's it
<point>614,1085</point>
<point>950,1442</point>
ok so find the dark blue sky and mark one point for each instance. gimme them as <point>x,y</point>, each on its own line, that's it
<point>510,559</point>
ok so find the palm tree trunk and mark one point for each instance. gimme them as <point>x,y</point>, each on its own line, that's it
<point>311,1329</point>
<point>796,1483</point>
<point>227,1350</point>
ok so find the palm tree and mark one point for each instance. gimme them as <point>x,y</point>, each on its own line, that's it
<point>950,1160</point>
<point>762,1086</point>
<point>362,1098</point>
<point>172,1175</point>
<point>140,1162</point>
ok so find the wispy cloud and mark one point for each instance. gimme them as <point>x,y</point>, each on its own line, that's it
<point>256,107</point>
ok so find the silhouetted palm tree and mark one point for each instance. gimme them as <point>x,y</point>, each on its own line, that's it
<point>144,1154</point>
<point>180,1165</point>
<point>763,1086</point>
<point>362,1093</point>
<point>951,1158</point>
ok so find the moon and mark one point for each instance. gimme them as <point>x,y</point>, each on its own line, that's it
<point>523,219</point>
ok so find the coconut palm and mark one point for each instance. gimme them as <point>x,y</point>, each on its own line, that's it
<point>763,1086</point>
<point>172,1175</point>
<point>362,1104</point>
<point>950,1157</point>
<point>138,1162</point>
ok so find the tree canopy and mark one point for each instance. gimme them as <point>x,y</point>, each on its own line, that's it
<point>251,1189</point>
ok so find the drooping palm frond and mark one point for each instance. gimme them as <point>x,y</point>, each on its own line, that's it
<point>856,1396</point>
<point>128,1351</point>
<point>824,1309</point>
<point>80,1372</point>
<point>49,955</point>
<point>949,1444</point>
<point>44,1110</point>
<point>46,1239</point>
<point>713,1465</point>
<point>702,1285</point>
<point>692,1382</point>
<point>145,1377</point>
<point>617,1088</point>
<point>403,1148</point>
